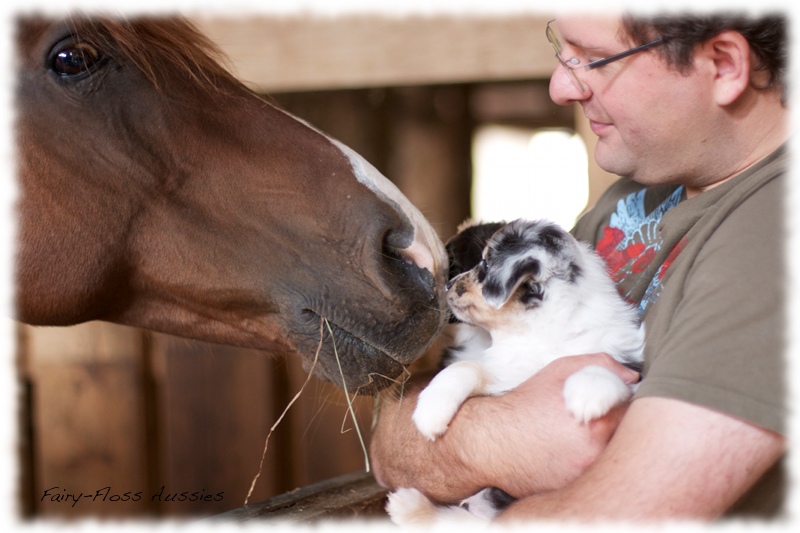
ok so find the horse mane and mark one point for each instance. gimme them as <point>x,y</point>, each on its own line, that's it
<point>159,45</point>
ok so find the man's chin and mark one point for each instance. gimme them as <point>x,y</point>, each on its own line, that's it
<point>608,159</point>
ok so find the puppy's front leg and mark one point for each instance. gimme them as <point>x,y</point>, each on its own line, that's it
<point>591,392</point>
<point>439,401</point>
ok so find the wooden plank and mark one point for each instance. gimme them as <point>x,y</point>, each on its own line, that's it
<point>323,439</point>
<point>353,495</point>
<point>431,138</point>
<point>91,342</point>
<point>523,103</point>
<point>87,420</point>
<point>303,52</point>
<point>216,405</point>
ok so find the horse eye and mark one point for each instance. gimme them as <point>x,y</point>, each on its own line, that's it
<point>74,59</point>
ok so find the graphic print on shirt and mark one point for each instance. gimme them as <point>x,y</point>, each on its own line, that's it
<point>631,242</point>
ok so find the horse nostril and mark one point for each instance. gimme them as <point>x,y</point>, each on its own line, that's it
<point>409,264</point>
<point>403,244</point>
<point>406,273</point>
<point>414,265</point>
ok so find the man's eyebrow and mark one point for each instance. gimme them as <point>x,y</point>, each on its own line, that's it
<point>586,47</point>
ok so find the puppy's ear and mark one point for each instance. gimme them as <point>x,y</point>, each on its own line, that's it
<point>500,283</point>
<point>554,238</point>
<point>464,249</point>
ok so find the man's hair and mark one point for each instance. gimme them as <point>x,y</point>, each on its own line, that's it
<point>766,35</point>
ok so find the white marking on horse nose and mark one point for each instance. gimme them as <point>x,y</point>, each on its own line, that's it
<point>426,250</point>
<point>420,255</point>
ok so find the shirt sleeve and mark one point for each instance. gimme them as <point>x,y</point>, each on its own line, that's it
<point>725,343</point>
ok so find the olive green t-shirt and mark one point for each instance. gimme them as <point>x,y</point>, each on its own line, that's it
<point>709,276</point>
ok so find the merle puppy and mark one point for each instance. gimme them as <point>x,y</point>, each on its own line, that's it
<point>535,295</point>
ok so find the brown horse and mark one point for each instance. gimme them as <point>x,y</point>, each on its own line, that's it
<point>157,191</point>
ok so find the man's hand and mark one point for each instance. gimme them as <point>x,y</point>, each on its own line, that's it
<point>523,442</point>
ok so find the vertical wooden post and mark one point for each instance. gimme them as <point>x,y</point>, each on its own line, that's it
<point>216,405</point>
<point>431,136</point>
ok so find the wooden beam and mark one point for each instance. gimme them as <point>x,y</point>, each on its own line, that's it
<point>295,53</point>
<point>355,495</point>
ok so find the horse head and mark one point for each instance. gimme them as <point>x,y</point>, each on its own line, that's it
<point>158,191</point>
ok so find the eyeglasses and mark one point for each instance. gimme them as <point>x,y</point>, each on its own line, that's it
<point>575,63</point>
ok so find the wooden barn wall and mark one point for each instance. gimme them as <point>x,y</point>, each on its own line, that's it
<point>140,424</point>
<point>307,52</point>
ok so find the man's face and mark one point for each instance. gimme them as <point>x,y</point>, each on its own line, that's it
<point>652,122</point>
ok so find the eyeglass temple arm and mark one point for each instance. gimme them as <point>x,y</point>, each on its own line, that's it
<point>607,60</point>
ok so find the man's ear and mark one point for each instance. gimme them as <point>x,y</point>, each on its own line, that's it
<point>729,53</point>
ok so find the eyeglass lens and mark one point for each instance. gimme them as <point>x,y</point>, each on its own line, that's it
<point>555,41</point>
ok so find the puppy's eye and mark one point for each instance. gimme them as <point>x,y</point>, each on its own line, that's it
<point>483,267</point>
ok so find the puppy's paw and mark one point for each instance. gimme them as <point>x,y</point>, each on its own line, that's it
<point>432,420</point>
<point>592,392</point>
<point>435,409</point>
<point>410,507</point>
<point>439,402</point>
<point>482,505</point>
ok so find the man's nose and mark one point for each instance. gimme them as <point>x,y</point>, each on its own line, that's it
<point>563,90</point>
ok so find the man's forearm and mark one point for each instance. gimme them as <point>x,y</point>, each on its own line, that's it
<point>523,442</point>
<point>402,457</point>
<point>668,460</point>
